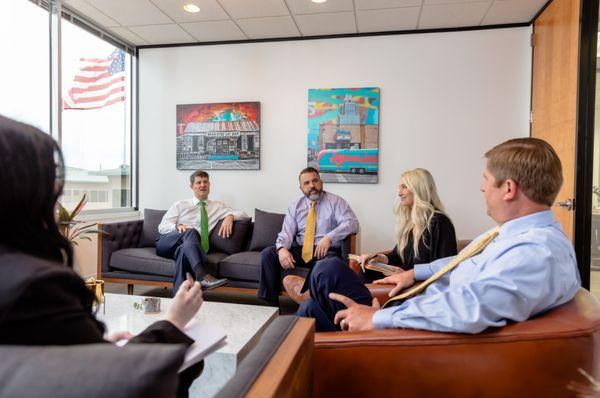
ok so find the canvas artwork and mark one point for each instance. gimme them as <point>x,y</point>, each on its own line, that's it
<point>218,136</point>
<point>343,133</point>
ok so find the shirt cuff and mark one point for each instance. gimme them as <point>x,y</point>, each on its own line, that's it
<point>382,319</point>
<point>422,272</point>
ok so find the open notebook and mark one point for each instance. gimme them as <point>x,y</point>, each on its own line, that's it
<point>208,339</point>
<point>385,269</point>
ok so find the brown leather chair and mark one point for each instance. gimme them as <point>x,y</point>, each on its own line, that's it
<point>536,358</point>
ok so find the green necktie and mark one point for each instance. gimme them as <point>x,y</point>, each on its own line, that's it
<point>204,226</point>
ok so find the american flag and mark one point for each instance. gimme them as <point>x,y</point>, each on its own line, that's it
<point>99,82</point>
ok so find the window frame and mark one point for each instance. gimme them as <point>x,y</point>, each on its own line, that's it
<point>56,8</point>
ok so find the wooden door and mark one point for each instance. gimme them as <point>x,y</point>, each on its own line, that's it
<point>554,92</point>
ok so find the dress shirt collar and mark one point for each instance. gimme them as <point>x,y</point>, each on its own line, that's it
<point>195,201</point>
<point>526,223</point>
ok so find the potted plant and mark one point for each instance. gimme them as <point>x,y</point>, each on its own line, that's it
<point>72,229</point>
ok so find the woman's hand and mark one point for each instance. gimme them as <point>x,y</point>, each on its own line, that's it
<point>402,279</point>
<point>366,258</point>
<point>185,304</point>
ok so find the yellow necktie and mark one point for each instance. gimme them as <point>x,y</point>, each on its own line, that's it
<point>309,234</point>
<point>462,256</point>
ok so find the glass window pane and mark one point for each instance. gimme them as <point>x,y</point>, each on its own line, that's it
<point>25,70</point>
<point>96,133</point>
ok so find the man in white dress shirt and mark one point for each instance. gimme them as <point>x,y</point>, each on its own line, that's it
<point>185,228</point>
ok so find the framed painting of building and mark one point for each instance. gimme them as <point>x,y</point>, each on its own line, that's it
<point>218,136</point>
<point>343,134</point>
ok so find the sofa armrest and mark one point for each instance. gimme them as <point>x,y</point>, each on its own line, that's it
<point>348,246</point>
<point>116,236</point>
<point>281,365</point>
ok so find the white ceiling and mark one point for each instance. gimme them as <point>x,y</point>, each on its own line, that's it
<point>145,22</point>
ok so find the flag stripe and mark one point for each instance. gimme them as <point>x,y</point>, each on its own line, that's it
<point>78,90</point>
<point>82,100</point>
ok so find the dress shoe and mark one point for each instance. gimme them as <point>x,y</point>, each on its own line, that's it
<point>292,285</point>
<point>210,282</point>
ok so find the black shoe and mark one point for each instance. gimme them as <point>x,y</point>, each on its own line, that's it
<point>210,283</point>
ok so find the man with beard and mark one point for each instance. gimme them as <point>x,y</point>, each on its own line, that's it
<point>313,229</point>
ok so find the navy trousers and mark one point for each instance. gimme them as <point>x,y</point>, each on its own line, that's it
<point>186,250</point>
<point>272,273</point>
<point>332,275</point>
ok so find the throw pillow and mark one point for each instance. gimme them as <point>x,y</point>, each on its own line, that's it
<point>266,228</point>
<point>236,242</point>
<point>150,227</point>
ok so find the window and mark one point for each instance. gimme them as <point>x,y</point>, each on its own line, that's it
<point>96,126</point>
<point>25,77</point>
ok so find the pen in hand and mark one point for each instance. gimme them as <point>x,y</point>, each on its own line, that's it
<point>189,278</point>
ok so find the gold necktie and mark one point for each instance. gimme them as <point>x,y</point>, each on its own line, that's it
<point>309,234</point>
<point>462,256</point>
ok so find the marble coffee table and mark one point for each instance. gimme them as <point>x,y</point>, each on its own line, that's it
<point>243,325</point>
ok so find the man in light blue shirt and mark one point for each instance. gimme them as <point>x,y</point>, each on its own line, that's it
<point>335,220</point>
<point>528,268</point>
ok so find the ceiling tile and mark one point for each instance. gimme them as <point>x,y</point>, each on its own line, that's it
<point>162,34</point>
<point>430,2</point>
<point>326,24</point>
<point>452,15</point>
<point>132,12</point>
<point>129,36</point>
<point>214,30</point>
<point>377,4</point>
<point>262,28</point>
<point>405,18</point>
<point>254,8</point>
<point>513,11</point>
<point>308,7</point>
<point>92,13</point>
<point>210,10</point>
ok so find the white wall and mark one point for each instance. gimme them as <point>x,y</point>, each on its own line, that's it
<point>445,99</point>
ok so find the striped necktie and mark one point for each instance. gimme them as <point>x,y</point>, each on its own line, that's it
<point>469,252</point>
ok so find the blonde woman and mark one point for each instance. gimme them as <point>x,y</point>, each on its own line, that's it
<point>423,233</point>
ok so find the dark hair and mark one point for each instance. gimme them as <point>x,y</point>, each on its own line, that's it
<point>531,163</point>
<point>32,178</point>
<point>198,173</point>
<point>308,170</point>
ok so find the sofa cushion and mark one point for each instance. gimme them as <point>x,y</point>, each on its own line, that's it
<point>150,227</point>
<point>90,370</point>
<point>144,260</point>
<point>236,242</point>
<point>246,266</point>
<point>266,228</point>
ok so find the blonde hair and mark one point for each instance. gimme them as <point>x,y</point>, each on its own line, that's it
<point>425,203</point>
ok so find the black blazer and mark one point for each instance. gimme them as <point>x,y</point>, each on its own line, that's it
<point>437,241</point>
<point>46,303</point>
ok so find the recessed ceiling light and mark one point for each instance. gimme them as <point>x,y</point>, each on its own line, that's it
<point>319,1</point>
<point>191,8</point>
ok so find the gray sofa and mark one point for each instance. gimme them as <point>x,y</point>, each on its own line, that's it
<point>127,252</point>
<point>90,370</point>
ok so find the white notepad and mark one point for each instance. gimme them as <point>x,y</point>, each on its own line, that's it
<point>207,339</point>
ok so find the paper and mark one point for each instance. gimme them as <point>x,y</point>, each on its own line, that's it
<point>208,339</point>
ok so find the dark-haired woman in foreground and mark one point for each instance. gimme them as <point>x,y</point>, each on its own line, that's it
<point>42,300</point>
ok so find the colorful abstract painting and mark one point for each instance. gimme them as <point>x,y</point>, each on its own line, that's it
<point>343,133</point>
<point>218,136</point>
